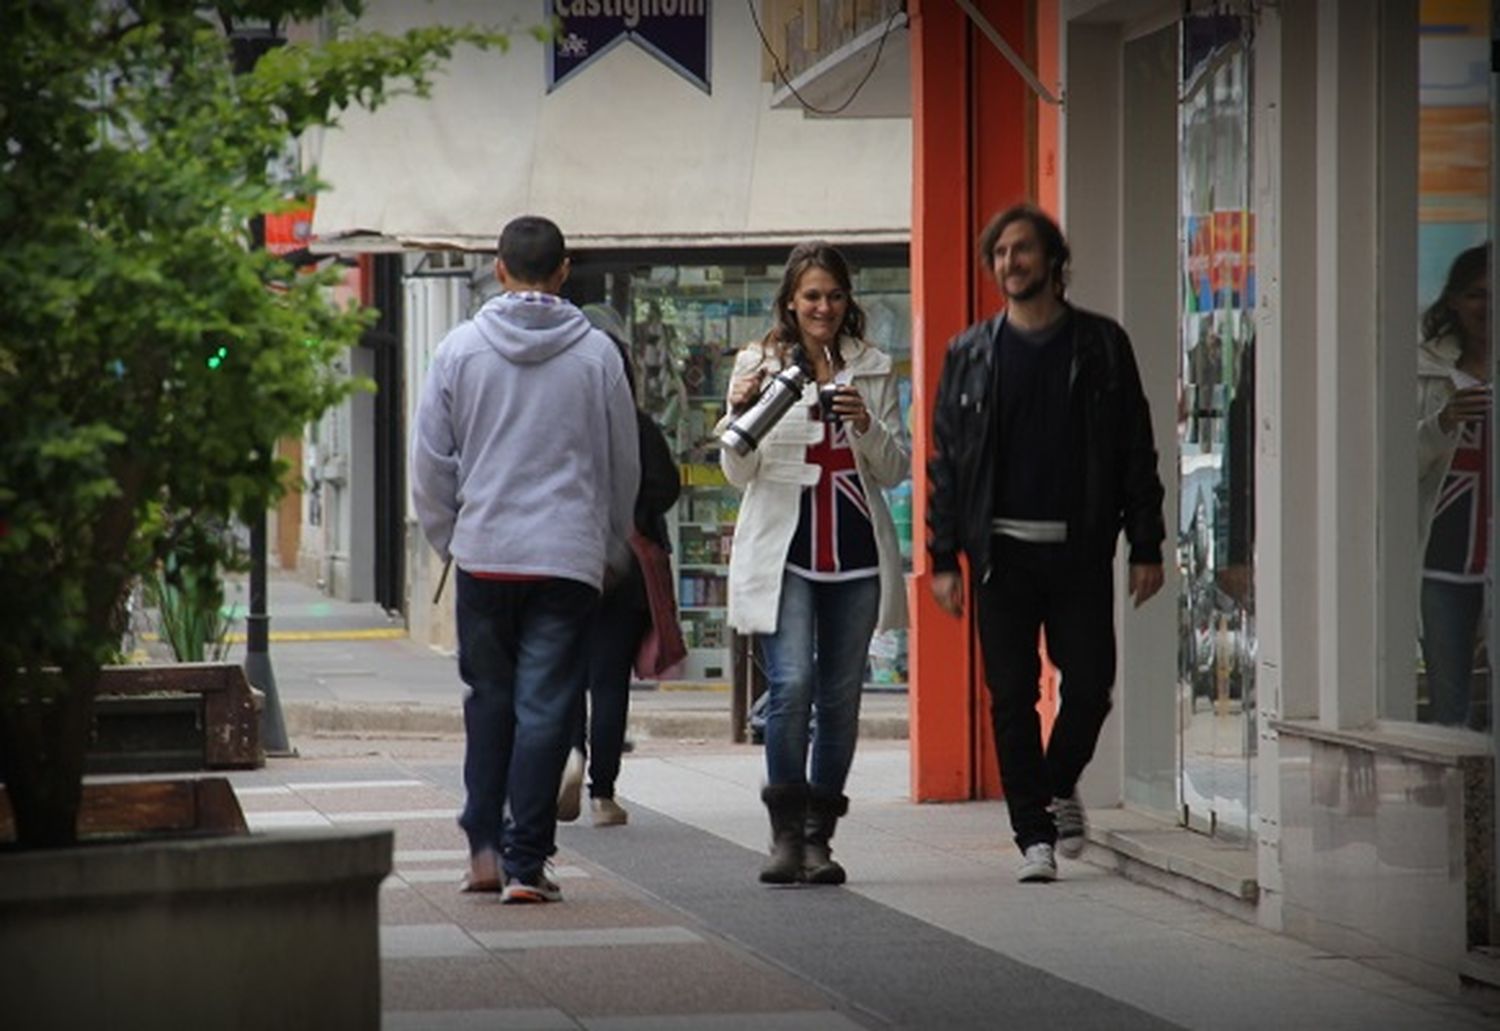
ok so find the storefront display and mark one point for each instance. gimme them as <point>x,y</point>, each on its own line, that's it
<point>1215,529</point>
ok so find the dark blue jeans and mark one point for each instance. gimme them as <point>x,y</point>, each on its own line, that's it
<point>614,636</point>
<point>1450,627</point>
<point>520,651</point>
<point>816,658</point>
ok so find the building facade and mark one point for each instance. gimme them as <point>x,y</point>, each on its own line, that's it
<point>1268,196</point>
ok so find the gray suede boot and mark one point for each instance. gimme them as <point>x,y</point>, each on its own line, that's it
<point>823,811</point>
<point>787,804</point>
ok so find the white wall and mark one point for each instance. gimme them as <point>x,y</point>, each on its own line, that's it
<point>1347,496</point>
<point>1120,201</point>
<point>625,151</point>
<point>433,306</point>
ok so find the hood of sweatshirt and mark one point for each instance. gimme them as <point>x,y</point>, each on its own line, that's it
<point>530,328</point>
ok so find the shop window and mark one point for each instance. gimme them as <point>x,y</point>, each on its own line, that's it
<point>1456,488</point>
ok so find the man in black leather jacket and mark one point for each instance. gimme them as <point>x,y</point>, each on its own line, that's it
<point>1043,454</point>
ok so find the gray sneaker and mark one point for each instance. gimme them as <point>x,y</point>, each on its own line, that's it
<point>537,888</point>
<point>1072,825</point>
<point>570,791</point>
<point>608,812</point>
<point>1037,864</point>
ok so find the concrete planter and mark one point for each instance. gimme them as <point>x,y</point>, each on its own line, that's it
<point>248,931</point>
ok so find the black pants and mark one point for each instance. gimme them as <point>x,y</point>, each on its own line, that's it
<point>614,635</point>
<point>1034,587</point>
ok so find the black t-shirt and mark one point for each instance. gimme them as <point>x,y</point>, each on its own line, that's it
<point>1035,449</point>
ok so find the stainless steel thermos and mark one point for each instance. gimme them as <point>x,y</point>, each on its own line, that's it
<point>750,427</point>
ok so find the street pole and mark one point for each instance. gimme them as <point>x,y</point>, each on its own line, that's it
<point>258,646</point>
<point>248,43</point>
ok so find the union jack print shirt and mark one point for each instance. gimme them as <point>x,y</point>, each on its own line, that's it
<point>1457,547</point>
<point>835,537</point>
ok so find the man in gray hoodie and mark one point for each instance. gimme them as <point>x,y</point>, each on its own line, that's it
<point>525,467</point>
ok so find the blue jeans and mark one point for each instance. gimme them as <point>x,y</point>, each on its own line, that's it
<point>817,657</point>
<point>1450,627</point>
<point>615,631</point>
<point>520,652</point>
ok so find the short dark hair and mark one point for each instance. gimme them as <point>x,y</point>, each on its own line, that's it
<point>1054,245</point>
<point>532,248</point>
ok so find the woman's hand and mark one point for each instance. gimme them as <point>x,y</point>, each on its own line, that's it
<point>849,405</point>
<point>1466,404</point>
<point>743,390</point>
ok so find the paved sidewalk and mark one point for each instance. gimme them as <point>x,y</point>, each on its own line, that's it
<point>664,926</point>
<point>349,668</point>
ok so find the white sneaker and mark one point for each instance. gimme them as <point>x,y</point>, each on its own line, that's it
<point>608,812</point>
<point>1037,864</point>
<point>1072,826</point>
<point>570,793</point>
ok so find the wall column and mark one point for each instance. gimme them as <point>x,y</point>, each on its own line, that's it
<point>974,151</point>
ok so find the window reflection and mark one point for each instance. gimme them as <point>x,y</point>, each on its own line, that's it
<point>1455,396</point>
<point>1455,488</point>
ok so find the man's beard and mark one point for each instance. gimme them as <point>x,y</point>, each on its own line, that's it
<point>1030,292</point>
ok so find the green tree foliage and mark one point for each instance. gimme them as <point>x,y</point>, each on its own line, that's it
<point>149,354</point>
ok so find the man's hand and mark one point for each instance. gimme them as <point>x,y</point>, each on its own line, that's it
<point>1145,580</point>
<point>948,589</point>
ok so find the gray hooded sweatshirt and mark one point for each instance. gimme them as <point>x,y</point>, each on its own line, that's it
<point>525,457</point>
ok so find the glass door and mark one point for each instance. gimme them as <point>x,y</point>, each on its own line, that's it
<point>1216,534</point>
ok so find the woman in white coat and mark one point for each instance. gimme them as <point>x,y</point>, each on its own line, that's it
<point>1453,461</point>
<point>815,569</point>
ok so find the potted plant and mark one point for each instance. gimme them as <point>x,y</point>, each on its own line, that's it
<point>150,354</point>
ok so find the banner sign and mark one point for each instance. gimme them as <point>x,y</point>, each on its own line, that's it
<point>675,32</point>
<point>289,231</point>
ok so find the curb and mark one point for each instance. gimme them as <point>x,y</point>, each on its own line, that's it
<point>353,719</point>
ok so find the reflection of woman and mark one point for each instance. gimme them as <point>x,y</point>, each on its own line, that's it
<point>1453,455</point>
<point>815,567</point>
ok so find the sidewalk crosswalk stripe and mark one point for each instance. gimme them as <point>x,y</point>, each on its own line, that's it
<point>281,819</point>
<point>352,785</point>
<point>429,855</point>
<point>394,815</point>
<point>455,874</point>
<point>426,941</point>
<point>478,1020</point>
<point>800,1020</point>
<point>586,936</point>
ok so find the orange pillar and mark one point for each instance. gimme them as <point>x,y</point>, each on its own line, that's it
<point>974,152</point>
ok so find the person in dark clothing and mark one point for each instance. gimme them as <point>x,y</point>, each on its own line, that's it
<point>1043,452</point>
<point>619,622</point>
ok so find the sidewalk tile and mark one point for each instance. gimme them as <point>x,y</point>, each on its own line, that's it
<point>479,1020</point>
<point>425,941</point>
<point>585,937</point>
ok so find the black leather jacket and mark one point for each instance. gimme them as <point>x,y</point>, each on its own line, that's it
<point>1120,488</point>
